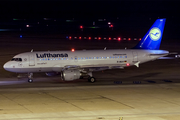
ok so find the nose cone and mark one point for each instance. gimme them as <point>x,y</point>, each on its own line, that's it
<point>7,66</point>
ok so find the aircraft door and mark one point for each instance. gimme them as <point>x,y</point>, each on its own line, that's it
<point>135,56</point>
<point>31,60</point>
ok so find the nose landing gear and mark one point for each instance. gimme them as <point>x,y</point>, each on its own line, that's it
<point>30,77</point>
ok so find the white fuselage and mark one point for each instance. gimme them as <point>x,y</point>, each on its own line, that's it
<point>56,61</point>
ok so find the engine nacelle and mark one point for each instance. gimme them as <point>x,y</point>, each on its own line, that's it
<point>52,73</point>
<point>69,75</point>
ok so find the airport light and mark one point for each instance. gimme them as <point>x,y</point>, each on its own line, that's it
<point>119,38</point>
<point>109,23</point>
<point>109,38</point>
<point>139,39</point>
<point>99,38</point>
<point>79,37</point>
<point>81,26</point>
<point>89,38</point>
<point>70,37</point>
<point>129,38</point>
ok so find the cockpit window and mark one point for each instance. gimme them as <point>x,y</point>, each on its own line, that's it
<point>16,59</point>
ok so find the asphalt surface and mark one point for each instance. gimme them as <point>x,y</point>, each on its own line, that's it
<point>150,92</point>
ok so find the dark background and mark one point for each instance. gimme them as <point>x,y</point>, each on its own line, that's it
<point>130,18</point>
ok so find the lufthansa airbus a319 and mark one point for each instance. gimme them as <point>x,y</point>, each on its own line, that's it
<point>81,63</point>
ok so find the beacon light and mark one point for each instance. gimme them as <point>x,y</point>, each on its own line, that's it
<point>72,50</point>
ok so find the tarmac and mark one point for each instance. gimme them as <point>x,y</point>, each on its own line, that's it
<point>150,92</point>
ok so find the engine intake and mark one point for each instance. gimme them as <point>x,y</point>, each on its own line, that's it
<point>69,75</point>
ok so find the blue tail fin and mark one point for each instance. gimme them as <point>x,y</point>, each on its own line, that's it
<point>152,39</point>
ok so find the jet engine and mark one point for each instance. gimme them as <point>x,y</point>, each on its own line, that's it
<point>52,73</point>
<point>69,75</point>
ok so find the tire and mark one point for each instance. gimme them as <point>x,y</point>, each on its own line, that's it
<point>91,79</point>
<point>30,80</point>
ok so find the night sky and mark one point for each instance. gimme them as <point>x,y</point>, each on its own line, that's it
<point>129,16</point>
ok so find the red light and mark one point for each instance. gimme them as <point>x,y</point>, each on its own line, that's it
<point>129,38</point>
<point>99,38</point>
<point>81,27</point>
<point>72,50</point>
<point>119,38</point>
<point>89,38</point>
<point>109,38</point>
<point>139,39</point>
<point>111,26</point>
<point>79,37</point>
<point>69,37</point>
<point>127,64</point>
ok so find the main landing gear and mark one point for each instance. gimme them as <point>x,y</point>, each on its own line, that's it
<point>91,79</point>
<point>30,77</point>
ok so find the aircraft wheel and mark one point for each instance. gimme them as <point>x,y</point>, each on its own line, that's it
<point>91,79</point>
<point>30,80</point>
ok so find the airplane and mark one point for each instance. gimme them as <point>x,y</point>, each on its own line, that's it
<point>72,65</point>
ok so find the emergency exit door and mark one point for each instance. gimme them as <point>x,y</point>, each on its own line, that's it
<point>135,56</point>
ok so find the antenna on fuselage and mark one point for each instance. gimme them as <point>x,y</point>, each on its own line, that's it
<point>32,50</point>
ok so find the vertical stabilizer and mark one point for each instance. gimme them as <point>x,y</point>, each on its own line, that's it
<point>152,39</point>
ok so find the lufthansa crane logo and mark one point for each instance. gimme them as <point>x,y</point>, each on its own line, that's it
<point>155,33</point>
